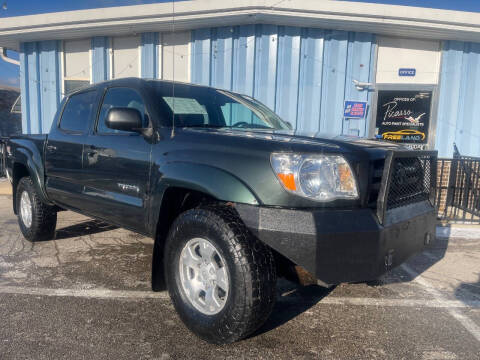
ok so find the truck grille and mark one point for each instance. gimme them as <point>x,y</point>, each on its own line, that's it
<point>410,181</point>
<point>410,178</point>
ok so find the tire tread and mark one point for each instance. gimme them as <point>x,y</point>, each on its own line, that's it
<point>44,218</point>
<point>258,271</point>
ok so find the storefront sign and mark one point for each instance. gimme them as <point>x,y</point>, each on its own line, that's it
<point>355,109</point>
<point>403,116</point>
<point>407,72</point>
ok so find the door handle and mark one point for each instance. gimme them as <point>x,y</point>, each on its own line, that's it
<point>51,148</point>
<point>91,152</point>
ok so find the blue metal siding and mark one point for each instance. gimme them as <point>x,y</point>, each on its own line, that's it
<point>266,45</point>
<point>243,60</point>
<point>286,97</point>
<point>25,98</point>
<point>100,59</point>
<point>333,84</point>
<point>302,74</point>
<point>40,69</point>
<point>222,57</point>
<point>201,63</point>
<point>359,67</point>
<point>33,87</point>
<point>459,93</point>
<point>149,51</point>
<point>310,80</point>
<point>49,87</point>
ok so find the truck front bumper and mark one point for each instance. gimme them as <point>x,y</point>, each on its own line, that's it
<point>343,245</point>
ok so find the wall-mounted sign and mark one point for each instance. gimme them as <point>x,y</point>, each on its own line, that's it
<point>407,72</point>
<point>403,116</point>
<point>355,109</point>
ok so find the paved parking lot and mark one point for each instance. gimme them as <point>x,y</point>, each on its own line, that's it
<point>87,295</point>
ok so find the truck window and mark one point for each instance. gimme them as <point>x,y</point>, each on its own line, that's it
<point>77,113</point>
<point>120,97</point>
<point>194,106</point>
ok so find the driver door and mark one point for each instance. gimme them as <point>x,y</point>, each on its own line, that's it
<point>117,165</point>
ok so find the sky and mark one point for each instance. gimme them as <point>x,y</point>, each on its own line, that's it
<point>9,73</point>
<point>460,5</point>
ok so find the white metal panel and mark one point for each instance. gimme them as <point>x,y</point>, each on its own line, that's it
<point>175,56</point>
<point>77,59</point>
<point>126,56</point>
<point>396,53</point>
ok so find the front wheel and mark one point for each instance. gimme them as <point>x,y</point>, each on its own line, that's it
<point>37,220</point>
<point>220,278</point>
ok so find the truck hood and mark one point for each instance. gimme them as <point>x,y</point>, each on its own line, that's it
<point>299,138</point>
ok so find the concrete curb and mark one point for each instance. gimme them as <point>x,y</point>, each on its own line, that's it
<point>458,231</point>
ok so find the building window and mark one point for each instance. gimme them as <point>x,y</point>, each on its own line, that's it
<point>77,67</point>
<point>126,57</point>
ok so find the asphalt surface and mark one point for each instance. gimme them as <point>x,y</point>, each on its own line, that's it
<point>86,295</point>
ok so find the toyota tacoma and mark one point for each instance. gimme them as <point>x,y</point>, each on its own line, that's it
<point>231,195</point>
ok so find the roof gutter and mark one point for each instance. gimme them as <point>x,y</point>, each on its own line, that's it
<point>4,57</point>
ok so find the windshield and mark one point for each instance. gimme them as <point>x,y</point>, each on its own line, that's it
<point>196,106</point>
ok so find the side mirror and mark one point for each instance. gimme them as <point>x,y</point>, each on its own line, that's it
<point>125,119</point>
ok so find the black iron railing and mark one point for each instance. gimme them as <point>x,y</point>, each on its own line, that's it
<point>458,189</point>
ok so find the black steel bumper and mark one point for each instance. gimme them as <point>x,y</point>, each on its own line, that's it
<point>343,245</point>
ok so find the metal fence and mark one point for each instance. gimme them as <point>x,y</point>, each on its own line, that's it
<point>458,189</point>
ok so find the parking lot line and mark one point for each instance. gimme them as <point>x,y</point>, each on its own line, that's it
<point>330,300</point>
<point>84,293</point>
<point>467,323</point>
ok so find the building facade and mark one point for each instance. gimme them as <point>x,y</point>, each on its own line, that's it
<point>413,73</point>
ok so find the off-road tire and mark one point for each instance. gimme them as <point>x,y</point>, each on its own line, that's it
<point>44,217</point>
<point>252,275</point>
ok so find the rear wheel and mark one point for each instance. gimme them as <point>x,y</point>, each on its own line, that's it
<point>220,278</point>
<point>37,220</point>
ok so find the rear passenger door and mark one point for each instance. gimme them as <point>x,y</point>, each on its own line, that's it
<point>64,150</point>
<point>117,165</point>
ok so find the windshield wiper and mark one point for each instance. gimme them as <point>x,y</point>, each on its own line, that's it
<point>253,126</point>
<point>203,126</point>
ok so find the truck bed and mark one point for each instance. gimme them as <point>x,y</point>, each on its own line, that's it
<point>37,139</point>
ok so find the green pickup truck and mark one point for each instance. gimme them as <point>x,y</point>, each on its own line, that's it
<point>232,196</point>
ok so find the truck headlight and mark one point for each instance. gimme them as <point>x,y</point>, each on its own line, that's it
<point>317,177</point>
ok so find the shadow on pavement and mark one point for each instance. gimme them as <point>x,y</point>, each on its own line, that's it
<point>468,292</point>
<point>420,262</point>
<point>84,228</point>
<point>291,304</point>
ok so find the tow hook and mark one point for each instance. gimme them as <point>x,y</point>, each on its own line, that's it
<point>306,278</point>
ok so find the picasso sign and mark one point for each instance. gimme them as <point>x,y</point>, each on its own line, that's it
<point>403,116</point>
